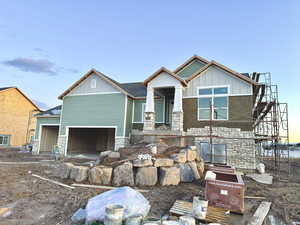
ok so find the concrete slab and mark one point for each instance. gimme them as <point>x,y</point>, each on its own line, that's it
<point>261,178</point>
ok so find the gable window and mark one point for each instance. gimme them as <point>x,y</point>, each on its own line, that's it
<point>213,103</point>
<point>93,83</point>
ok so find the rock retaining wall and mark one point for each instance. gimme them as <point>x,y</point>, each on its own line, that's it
<point>186,166</point>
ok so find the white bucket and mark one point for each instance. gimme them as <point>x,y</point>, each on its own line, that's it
<point>199,208</point>
<point>114,214</point>
<point>210,175</point>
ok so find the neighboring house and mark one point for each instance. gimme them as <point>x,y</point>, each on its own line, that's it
<point>17,121</point>
<point>99,114</point>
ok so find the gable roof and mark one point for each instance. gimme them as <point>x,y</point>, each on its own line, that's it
<point>190,60</point>
<point>112,82</point>
<point>22,93</point>
<point>54,112</point>
<point>221,66</point>
<point>163,69</point>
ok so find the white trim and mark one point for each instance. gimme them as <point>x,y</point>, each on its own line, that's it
<point>95,93</point>
<point>40,133</point>
<point>212,96</point>
<point>133,108</point>
<point>61,115</point>
<point>143,111</point>
<point>125,115</point>
<point>195,96</point>
<point>50,116</point>
<point>67,133</point>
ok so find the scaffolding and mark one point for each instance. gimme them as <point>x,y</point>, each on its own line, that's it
<point>270,123</point>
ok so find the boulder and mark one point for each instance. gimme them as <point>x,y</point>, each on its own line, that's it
<point>123,175</point>
<point>260,168</point>
<point>102,156</point>
<point>65,170</point>
<point>142,163</point>
<point>200,167</point>
<point>100,175</point>
<point>79,173</point>
<point>186,173</point>
<point>191,154</point>
<point>169,175</point>
<point>179,157</point>
<point>146,176</point>
<point>114,155</point>
<point>194,168</point>
<point>163,162</point>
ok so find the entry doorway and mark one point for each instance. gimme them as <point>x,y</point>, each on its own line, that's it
<point>49,135</point>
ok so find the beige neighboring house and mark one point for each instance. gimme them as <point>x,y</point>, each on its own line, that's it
<point>17,121</point>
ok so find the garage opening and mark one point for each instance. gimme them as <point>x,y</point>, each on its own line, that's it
<point>48,138</point>
<point>90,141</point>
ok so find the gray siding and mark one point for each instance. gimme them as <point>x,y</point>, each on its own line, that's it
<point>85,86</point>
<point>217,77</point>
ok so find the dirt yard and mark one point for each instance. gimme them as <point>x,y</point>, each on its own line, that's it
<point>34,201</point>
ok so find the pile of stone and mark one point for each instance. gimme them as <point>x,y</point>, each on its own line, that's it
<point>184,166</point>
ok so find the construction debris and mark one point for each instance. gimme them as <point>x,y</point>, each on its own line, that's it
<point>52,181</point>
<point>261,178</point>
<point>260,214</point>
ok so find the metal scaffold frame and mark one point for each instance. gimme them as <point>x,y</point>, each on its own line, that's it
<point>270,122</point>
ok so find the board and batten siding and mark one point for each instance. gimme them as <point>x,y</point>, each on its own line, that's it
<point>159,108</point>
<point>217,77</point>
<point>94,84</point>
<point>94,110</point>
<point>45,120</point>
<point>190,69</point>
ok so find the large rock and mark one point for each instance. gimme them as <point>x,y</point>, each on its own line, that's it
<point>65,170</point>
<point>79,173</point>
<point>146,176</point>
<point>191,154</point>
<point>163,162</point>
<point>169,175</point>
<point>179,157</point>
<point>194,168</point>
<point>100,175</point>
<point>114,155</point>
<point>200,167</point>
<point>186,173</point>
<point>142,162</point>
<point>123,175</point>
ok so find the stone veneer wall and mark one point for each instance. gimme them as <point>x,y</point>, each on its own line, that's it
<point>121,142</point>
<point>177,121</point>
<point>240,144</point>
<point>35,147</point>
<point>149,121</point>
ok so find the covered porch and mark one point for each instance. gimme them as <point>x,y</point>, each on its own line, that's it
<point>170,86</point>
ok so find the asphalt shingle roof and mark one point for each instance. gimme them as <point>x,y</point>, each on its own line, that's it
<point>4,88</point>
<point>51,112</point>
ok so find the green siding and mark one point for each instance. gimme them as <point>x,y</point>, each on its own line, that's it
<point>44,120</point>
<point>129,116</point>
<point>158,107</point>
<point>94,110</point>
<point>191,69</point>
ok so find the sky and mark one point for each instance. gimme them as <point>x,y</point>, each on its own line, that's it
<point>45,46</point>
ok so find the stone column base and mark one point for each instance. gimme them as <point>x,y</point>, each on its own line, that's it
<point>149,121</point>
<point>177,121</point>
<point>35,147</point>
<point>61,142</point>
<point>121,142</point>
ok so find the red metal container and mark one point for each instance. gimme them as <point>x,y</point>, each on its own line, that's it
<point>227,191</point>
<point>221,169</point>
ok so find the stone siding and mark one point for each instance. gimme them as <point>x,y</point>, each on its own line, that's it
<point>121,142</point>
<point>240,145</point>
<point>149,121</point>
<point>61,142</point>
<point>177,121</point>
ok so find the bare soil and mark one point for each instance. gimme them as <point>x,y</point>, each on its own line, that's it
<point>34,201</point>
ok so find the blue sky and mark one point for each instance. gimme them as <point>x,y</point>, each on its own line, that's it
<point>129,40</point>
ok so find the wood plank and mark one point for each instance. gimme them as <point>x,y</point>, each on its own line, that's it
<point>102,187</point>
<point>260,213</point>
<point>53,181</point>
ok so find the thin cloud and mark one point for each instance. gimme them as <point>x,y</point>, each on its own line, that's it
<point>32,65</point>
<point>42,66</point>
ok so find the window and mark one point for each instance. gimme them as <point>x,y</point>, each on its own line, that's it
<point>143,112</point>
<point>3,140</point>
<point>213,103</point>
<point>216,154</point>
<point>93,83</point>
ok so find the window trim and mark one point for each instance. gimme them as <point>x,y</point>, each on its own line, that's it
<point>93,83</point>
<point>7,137</point>
<point>212,96</point>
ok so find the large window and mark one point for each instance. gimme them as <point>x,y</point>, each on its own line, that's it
<point>213,103</point>
<point>216,153</point>
<point>3,140</point>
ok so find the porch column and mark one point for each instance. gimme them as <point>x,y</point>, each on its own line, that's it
<point>177,115</point>
<point>149,115</point>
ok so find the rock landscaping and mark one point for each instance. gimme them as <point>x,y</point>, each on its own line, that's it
<point>186,165</point>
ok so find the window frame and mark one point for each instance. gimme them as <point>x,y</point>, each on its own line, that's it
<point>5,137</point>
<point>212,96</point>
<point>93,83</point>
<point>212,152</point>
